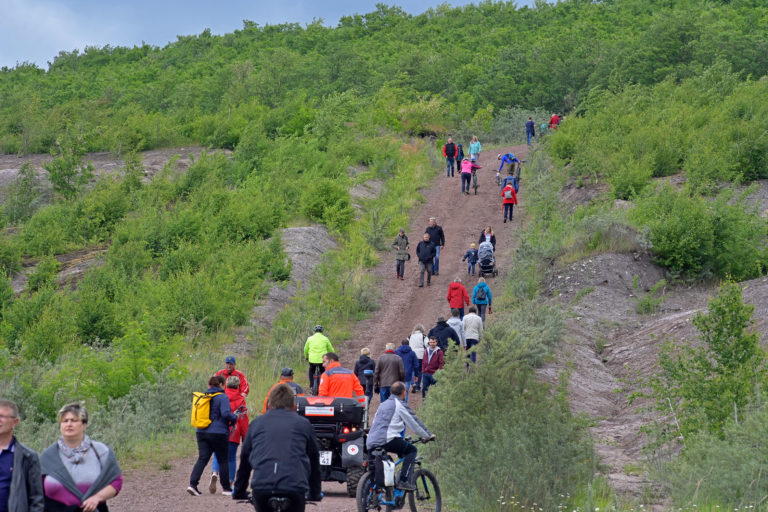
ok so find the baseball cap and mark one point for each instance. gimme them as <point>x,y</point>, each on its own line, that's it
<point>230,359</point>
<point>286,372</point>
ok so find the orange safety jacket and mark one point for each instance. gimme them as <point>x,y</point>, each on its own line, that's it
<point>340,382</point>
<point>297,389</point>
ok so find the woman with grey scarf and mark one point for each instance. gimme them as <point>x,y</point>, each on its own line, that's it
<point>78,474</point>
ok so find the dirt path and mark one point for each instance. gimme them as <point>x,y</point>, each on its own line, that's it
<point>403,305</point>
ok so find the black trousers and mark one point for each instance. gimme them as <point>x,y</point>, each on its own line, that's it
<point>207,445</point>
<point>261,501</point>
<point>408,453</point>
<point>315,368</point>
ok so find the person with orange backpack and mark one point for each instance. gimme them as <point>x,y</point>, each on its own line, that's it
<point>508,201</point>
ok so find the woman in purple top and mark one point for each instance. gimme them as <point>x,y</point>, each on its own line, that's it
<point>78,473</point>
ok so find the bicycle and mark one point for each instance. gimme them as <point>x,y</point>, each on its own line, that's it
<point>425,498</point>
<point>474,180</point>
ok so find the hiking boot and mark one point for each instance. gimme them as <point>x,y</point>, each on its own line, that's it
<point>505,221</point>
<point>192,489</point>
<point>212,485</point>
<point>421,285</point>
<point>406,486</point>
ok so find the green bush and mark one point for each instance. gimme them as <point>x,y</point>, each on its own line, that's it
<point>699,236</point>
<point>45,274</point>
<point>527,444</point>
<point>327,201</point>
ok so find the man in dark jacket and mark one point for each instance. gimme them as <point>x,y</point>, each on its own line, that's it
<point>389,369</point>
<point>530,130</point>
<point>449,152</point>
<point>437,237</point>
<point>442,332</point>
<point>281,450</point>
<point>410,364</point>
<point>425,251</point>
<point>364,368</point>
<point>21,486</point>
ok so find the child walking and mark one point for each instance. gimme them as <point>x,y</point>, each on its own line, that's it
<point>471,257</point>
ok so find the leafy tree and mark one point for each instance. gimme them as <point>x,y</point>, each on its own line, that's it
<point>21,196</point>
<point>708,385</point>
<point>67,171</point>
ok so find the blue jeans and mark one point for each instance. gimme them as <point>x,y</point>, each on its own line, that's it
<point>449,165</point>
<point>466,177</point>
<point>427,380</point>
<point>436,261</point>
<point>529,136</point>
<point>508,208</point>
<point>481,310</point>
<point>384,393</point>
<point>470,268</point>
<point>408,383</point>
<point>232,461</point>
<point>472,354</point>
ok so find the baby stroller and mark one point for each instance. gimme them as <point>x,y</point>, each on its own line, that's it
<point>487,260</point>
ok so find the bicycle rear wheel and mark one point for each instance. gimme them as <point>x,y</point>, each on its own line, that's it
<point>426,497</point>
<point>367,497</point>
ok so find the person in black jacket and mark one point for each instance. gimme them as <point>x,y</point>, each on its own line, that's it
<point>443,332</point>
<point>425,252</point>
<point>366,379</point>
<point>21,484</point>
<point>437,237</point>
<point>487,235</point>
<point>281,450</point>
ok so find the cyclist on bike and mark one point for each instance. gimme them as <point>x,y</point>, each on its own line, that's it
<point>509,162</point>
<point>316,345</point>
<point>281,451</point>
<point>390,421</point>
<point>338,381</point>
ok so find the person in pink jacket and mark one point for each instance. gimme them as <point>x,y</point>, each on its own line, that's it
<point>457,296</point>
<point>466,174</point>
<point>508,200</point>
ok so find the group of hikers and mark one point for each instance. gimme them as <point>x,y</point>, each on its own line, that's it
<point>509,166</point>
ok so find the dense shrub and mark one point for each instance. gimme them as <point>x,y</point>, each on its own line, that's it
<point>701,236</point>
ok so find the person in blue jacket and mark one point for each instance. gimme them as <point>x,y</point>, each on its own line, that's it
<point>410,362</point>
<point>482,298</point>
<point>508,161</point>
<point>530,130</point>
<point>214,438</point>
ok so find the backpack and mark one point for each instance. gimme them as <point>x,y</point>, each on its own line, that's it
<point>508,192</point>
<point>201,409</point>
<point>480,293</point>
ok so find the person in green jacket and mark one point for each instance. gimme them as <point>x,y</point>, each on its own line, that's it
<point>316,345</point>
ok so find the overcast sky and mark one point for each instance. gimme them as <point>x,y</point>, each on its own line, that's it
<point>36,30</point>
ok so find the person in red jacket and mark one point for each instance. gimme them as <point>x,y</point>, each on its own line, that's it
<point>433,361</point>
<point>237,431</point>
<point>508,200</point>
<point>230,371</point>
<point>337,381</point>
<point>554,121</point>
<point>457,296</point>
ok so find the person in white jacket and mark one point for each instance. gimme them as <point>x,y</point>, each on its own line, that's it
<point>473,330</point>
<point>418,342</point>
<point>455,323</point>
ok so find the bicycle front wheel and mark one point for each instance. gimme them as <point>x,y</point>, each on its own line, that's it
<point>426,497</point>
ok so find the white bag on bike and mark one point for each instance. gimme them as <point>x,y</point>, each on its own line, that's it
<point>389,472</point>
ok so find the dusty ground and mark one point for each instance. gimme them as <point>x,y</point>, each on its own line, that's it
<point>403,305</point>
<point>607,342</point>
